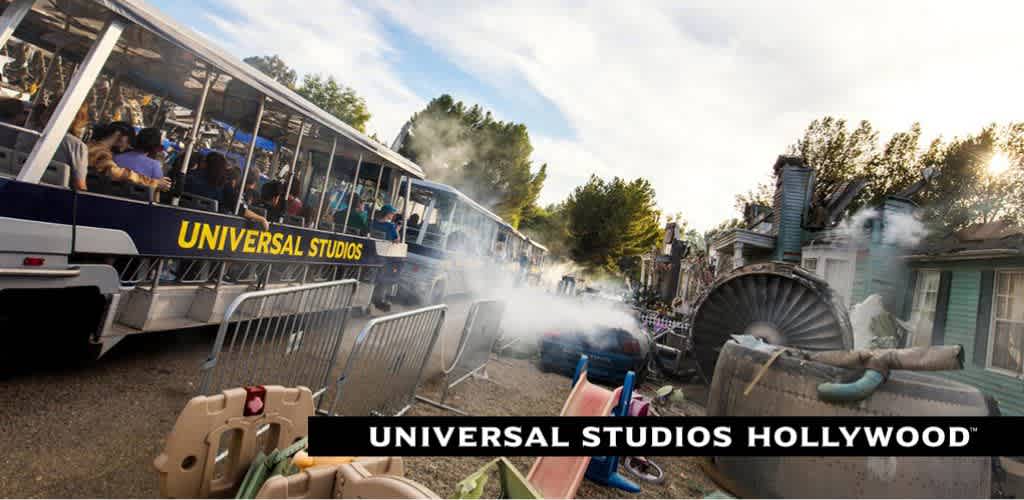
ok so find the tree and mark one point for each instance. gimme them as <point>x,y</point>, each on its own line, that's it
<point>323,91</point>
<point>336,99</point>
<point>835,153</point>
<point>964,191</point>
<point>762,195</point>
<point>549,226</point>
<point>486,159</point>
<point>611,223</point>
<point>274,67</point>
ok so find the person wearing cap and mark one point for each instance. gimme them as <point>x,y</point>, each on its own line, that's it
<point>384,223</point>
<point>144,155</point>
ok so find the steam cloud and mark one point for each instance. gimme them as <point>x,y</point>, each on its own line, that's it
<point>900,229</point>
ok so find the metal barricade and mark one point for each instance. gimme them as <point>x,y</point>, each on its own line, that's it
<point>387,363</point>
<point>479,335</point>
<point>286,336</point>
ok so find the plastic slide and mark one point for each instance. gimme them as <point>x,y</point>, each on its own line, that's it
<point>560,477</point>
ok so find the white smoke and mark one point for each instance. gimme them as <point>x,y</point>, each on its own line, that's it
<point>860,319</point>
<point>899,229</point>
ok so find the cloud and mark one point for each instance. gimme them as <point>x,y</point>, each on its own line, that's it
<point>697,97</point>
<point>701,98</point>
<point>335,37</point>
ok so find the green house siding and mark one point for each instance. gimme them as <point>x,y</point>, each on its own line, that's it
<point>960,328</point>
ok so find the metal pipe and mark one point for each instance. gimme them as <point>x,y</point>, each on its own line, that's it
<point>193,135</point>
<point>252,149</point>
<point>67,108</point>
<point>327,176</point>
<point>12,17</point>
<point>291,169</point>
<point>352,194</point>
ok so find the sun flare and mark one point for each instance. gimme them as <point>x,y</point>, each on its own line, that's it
<point>999,163</point>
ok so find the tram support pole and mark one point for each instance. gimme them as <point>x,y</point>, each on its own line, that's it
<point>252,151</point>
<point>291,169</point>
<point>408,204</point>
<point>352,194</point>
<point>323,190</point>
<point>376,193</point>
<point>67,108</point>
<point>193,135</point>
<point>12,17</point>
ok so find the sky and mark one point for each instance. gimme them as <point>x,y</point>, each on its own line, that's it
<point>698,97</point>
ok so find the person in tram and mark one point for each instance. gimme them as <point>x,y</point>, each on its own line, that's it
<point>383,223</point>
<point>72,151</point>
<point>144,156</point>
<point>358,220</point>
<point>127,139</point>
<point>101,159</point>
<point>210,180</point>
<point>294,204</point>
<point>270,199</point>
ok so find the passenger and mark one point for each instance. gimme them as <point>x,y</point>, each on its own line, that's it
<point>101,159</point>
<point>71,151</point>
<point>294,203</point>
<point>15,112</point>
<point>210,180</point>
<point>358,221</point>
<point>272,199</point>
<point>144,155</point>
<point>414,221</point>
<point>383,223</point>
<point>127,140</point>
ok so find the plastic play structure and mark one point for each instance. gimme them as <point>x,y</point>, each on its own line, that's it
<point>249,442</point>
<point>560,477</point>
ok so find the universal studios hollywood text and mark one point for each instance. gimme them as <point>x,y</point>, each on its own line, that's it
<point>686,436</point>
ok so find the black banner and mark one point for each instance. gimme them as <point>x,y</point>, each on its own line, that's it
<point>665,436</point>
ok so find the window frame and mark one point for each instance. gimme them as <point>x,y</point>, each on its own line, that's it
<point>993,319</point>
<point>913,301</point>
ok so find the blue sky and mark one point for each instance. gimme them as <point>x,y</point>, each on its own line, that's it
<point>697,97</point>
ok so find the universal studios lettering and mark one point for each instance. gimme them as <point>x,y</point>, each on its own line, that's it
<point>219,238</point>
<point>465,437</point>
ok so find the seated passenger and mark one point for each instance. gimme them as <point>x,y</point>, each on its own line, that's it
<point>294,205</point>
<point>414,221</point>
<point>101,159</point>
<point>357,220</point>
<point>209,180</point>
<point>15,112</point>
<point>270,199</point>
<point>124,144</point>
<point>71,151</point>
<point>144,155</point>
<point>384,225</point>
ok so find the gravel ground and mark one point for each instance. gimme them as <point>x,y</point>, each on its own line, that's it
<point>519,387</point>
<point>92,431</point>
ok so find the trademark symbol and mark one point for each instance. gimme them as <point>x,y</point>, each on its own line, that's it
<point>972,429</point>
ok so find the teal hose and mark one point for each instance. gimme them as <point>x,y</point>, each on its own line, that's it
<point>854,391</point>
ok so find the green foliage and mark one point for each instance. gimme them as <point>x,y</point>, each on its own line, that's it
<point>338,100</point>
<point>323,91</point>
<point>488,160</point>
<point>964,192</point>
<point>549,226</point>
<point>762,195</point>
<point>611,223</point>
<point>274,67</point>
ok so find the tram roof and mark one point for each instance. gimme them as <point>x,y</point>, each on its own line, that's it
<point>437,186</point>
<point>538,245</point>
<point>138,65</point>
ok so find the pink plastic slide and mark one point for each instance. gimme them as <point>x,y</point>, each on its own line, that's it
<point>560,477</point>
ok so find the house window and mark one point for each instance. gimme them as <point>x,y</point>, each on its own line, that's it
<point>1006,347</point>
<point>811,265</point>
<point>922,316</point>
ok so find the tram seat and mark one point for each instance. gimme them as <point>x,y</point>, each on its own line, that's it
<point>7,165</point>
<point>58,174</point>
<point>326,226</point>
<point>295,220</point>
<point>189,200</point>
<point>133,191</point>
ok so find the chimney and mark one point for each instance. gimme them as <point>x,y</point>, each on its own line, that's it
<point>792,196</point>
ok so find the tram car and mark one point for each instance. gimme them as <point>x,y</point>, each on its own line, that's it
<point>92,251</point>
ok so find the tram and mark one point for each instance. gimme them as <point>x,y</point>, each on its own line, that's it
<point>456,246</point>
<point>96,255</point>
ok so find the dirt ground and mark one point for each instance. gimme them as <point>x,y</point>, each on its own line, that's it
<point>518,387</point>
